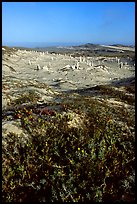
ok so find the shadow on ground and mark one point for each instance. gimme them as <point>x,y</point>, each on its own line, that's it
<point>128,83</point>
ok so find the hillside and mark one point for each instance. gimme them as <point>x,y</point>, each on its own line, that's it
<point>68,127</point>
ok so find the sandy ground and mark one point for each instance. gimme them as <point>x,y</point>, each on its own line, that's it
<point>48,75</point>
<point>58,70</point>
<point>120,47</point>
<point>29,73</point>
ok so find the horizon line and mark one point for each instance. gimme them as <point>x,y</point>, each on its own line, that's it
<point>35,44</point>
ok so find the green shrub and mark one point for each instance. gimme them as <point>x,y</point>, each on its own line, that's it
<point>91,162</point>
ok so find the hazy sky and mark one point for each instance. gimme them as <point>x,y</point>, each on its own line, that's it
<point>76,22</point>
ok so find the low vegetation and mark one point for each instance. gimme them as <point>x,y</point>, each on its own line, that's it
<point>77,150</point>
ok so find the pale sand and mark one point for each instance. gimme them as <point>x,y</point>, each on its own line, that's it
<point>56,74</point>
<point>23,65</point>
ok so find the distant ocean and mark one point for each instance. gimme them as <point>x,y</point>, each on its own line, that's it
<point>44,44</point>
<point>55,44</point>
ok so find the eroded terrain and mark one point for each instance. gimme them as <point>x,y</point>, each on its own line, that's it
<point>74,105</point>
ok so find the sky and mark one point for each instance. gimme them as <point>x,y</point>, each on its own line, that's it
<point>60,23</point>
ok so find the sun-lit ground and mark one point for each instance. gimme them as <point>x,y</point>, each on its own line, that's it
<point>68,133</point>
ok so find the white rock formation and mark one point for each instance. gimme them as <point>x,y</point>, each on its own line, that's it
<point>80,59</point>
<point>46,68</point>
<point>67,66</point>
<point>29,63</point>
<point>90,64</point>
<point>84,59</point>
<point>77,65</point>
<point>73,67</point>
<point>118,60</point>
